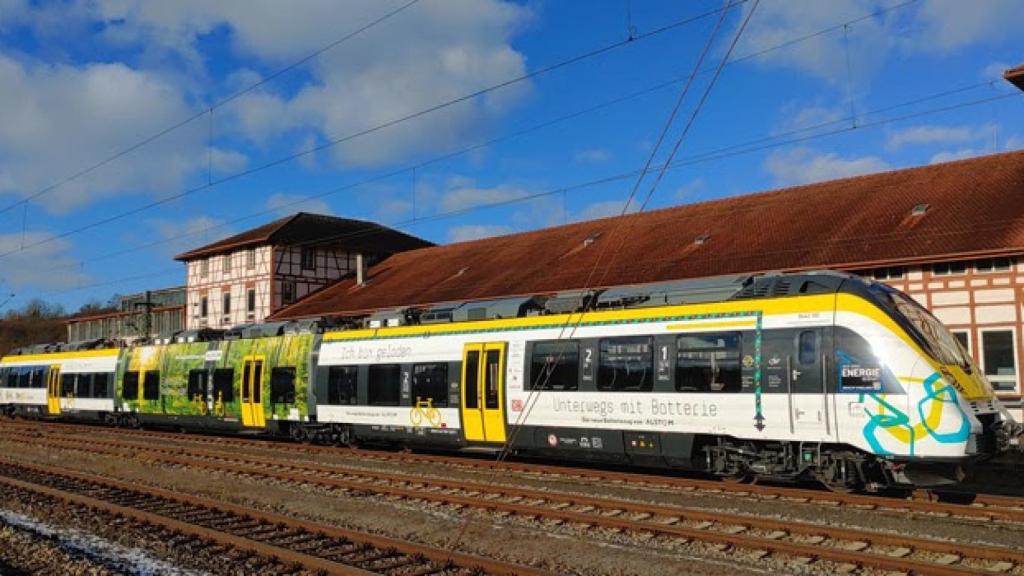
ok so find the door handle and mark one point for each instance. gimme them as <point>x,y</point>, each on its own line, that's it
<point>796,374</point>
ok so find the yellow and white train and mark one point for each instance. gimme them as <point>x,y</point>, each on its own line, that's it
<point>820,376</point>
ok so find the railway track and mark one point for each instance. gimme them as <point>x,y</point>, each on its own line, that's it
<point>841,546</point>
<point>276,539</point>
<point>980,506</point>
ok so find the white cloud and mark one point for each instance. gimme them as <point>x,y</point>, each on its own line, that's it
<point>1014,142</point>
<point>805,165</point>
<point>606,209</point>
<point>429,54</point>
<point>464,194</point>
<point>951,24</point>
<point>476,231</point>
<point>179,235</point>
<point>690,189</point>
<point>285,204</point>
<point>46,266</point>
<point>799,115</point>
<point>959,154</point>
<point>935,134</point>
<point>592,156</point>
<point>60,119</point>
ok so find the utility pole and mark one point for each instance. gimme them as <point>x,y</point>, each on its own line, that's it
<point>147,315</point>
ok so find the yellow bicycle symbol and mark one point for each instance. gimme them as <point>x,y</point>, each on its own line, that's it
<point>425,409</point>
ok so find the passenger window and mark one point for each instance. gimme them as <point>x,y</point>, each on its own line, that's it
<point>151,385</point>
<point>197,385</point>
<point>626,364</point>
<point>67,385</point>
<point>282,386</point>
<point>224,385</point>
<point>555,365</point>
<point>100,382</point>
<point>130,386</point>
<point>12,378</point>
<point>385,384</point>
<point>83,389</point>
<point>430,382</point>
<point>25,378</point>
<point>472,377</point>
<point>709,363</point>
<point>342,384</point>
<point>36,378</point>
<point>808,344</point>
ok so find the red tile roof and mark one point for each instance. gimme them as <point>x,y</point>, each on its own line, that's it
<point>305,228</point>
<point>973,207</point>
<point>1015,76</point>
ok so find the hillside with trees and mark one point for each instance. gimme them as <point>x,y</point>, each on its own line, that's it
<point>39,322</point>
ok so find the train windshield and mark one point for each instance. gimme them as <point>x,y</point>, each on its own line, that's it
<point>935,338</point>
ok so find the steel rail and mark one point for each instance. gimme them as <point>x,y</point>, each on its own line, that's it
<point>432,491</point>
<point>439,558</point>
<point>984,506</point>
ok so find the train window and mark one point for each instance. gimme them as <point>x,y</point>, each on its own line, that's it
<point>25,378</point>
<point>808,348</point>
<point>492,378</point>
<point>555,365</point>
<point>37,378</point>
<point>257,382</point>
<point>282,386</point>
<point>67,385</point>
<point>224,385</point>
<point>151,385</point>
<point>196,389</point>
<point>83,389</point>
<point>342,385</point>
<point>100,382</point>
<point>130,386</point>
<point>709,363</point>
<point>12,378</point>
<point>626,364</point>
<point>472,379</point>
<point>430,381</point>
<point>385,384</point>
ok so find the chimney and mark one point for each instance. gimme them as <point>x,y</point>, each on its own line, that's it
<point>360,270</point>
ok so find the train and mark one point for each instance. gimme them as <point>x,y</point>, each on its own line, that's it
<point>819,376</point>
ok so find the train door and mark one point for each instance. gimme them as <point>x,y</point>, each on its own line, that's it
<point>809,383</point>
<point>483,391</point>
<point>53,390</point>
<point>252,392</point>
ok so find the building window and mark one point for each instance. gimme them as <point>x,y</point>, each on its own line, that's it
<point>555,365</point>
<point>946,268</point>
<point>227,263</point>
<point>999,358</point>
<point>250,258</point>
<point>204,307</point>
<point>626,364</point>
<point>964,338</point>
<point>888,273</point>
<point>341,385</point>
<point>992,265</point>
<point>430,382</point>
<point>250,301</point>
<point>204,267</point>
<point>709,363</point>
<point>385,384</point>
<point>287,292</point>
<point>309,258</point>
<point>227,303</point>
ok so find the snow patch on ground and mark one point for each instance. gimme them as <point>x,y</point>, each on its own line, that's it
<point>130,560</point>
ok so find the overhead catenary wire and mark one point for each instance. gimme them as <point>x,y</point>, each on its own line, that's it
<point>560,119</point>
<point>376,128</point>
<point>206,111</point>
<point>749,147</point>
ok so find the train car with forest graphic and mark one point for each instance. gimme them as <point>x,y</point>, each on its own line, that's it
<point>822,375</point>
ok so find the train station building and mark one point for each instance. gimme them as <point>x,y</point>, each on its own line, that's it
<point>951,235</point>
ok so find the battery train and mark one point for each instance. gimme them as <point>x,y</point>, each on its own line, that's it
<point>822,376</point>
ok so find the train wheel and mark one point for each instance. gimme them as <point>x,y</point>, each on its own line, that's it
<point>839,475</point>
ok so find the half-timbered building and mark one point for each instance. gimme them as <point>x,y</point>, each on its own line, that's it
<point>246,277</point>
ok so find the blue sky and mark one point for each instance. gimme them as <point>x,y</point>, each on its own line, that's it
<point>883,85</point>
